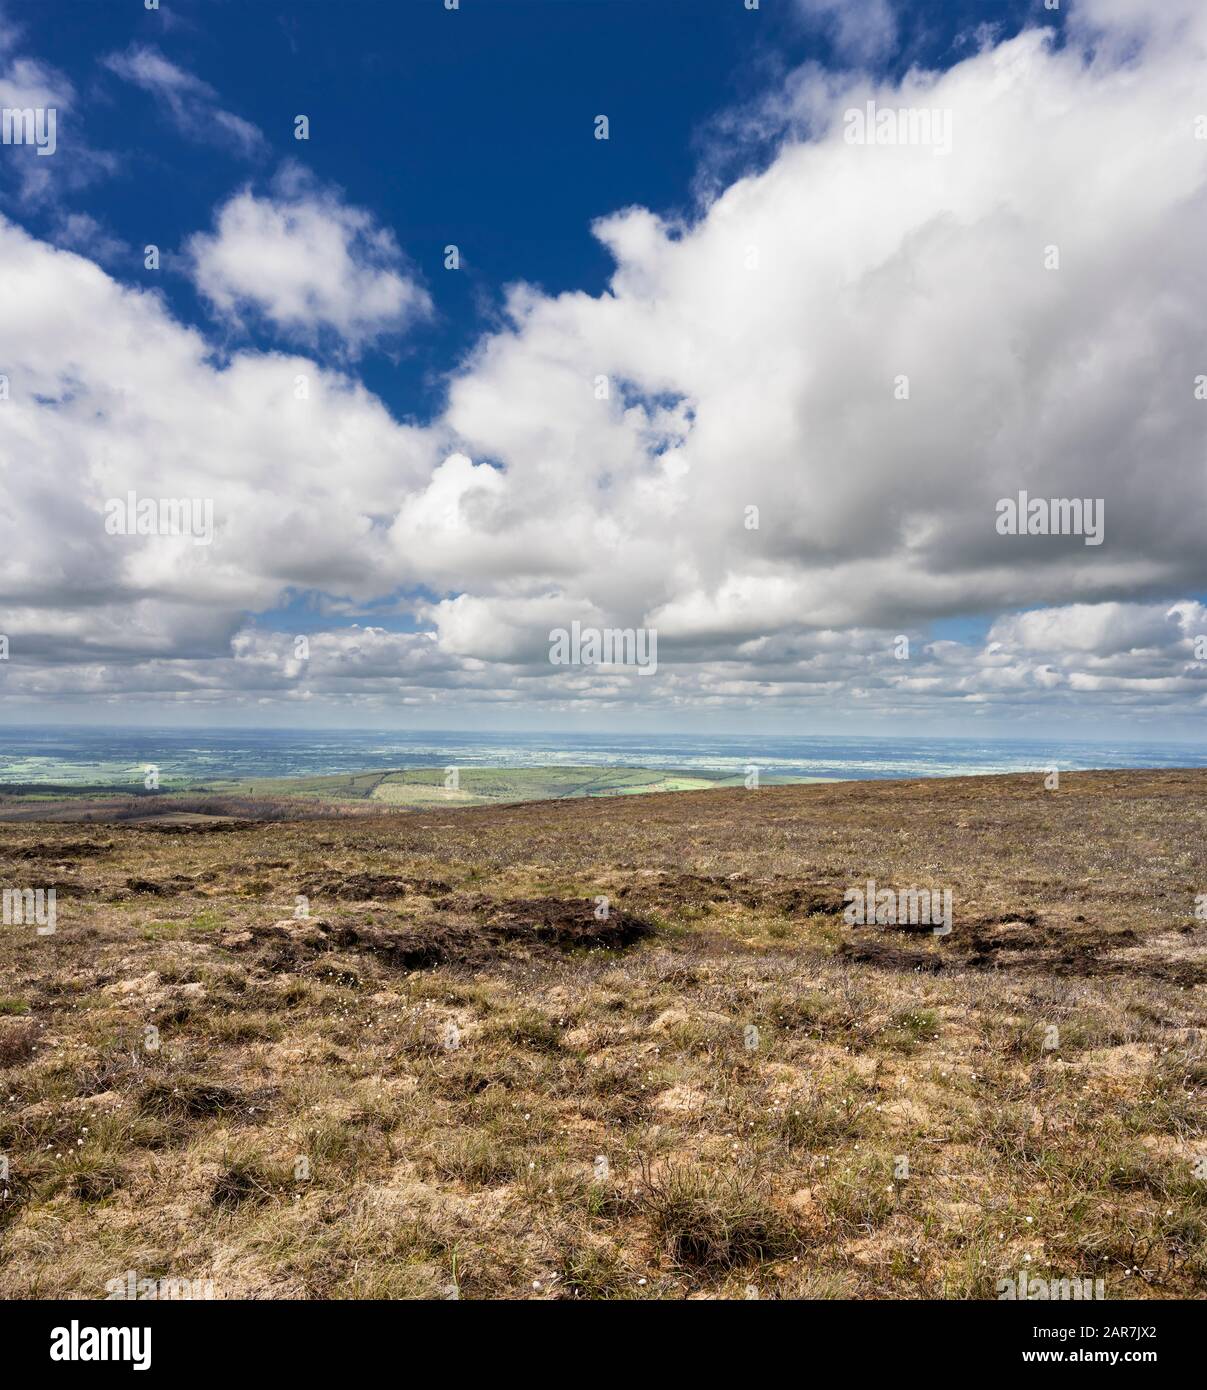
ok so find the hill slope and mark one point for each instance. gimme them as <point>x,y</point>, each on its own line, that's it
<point>459,1072</point>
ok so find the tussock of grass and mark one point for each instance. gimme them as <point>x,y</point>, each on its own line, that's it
<point>530,1029</point>
<point>187,1099</point>
<point>93,1180</point>
<point>245,1180</point>
<point>713,1221</point>
<point>477,1159</point>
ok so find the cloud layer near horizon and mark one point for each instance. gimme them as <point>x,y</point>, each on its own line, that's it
<point>752,359</point>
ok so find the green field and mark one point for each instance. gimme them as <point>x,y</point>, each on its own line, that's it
<point>387,789</point>
<point>477,786</point>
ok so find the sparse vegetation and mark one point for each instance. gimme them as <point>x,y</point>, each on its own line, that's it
<point>408,1092</point>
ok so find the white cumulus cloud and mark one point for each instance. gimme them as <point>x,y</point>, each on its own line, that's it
<point>307,261</point>
<point>863,347</point>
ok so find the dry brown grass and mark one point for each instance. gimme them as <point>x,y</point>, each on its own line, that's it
<point>406,1093</point>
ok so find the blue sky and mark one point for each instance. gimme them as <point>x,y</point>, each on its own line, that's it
<point>450,494</point>
<point>463,127</point>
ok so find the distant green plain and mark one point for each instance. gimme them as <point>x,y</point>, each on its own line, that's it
<point>420,788</point>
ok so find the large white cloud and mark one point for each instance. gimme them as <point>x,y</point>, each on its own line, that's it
<point>109,395</point>
<point>599,455</point>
